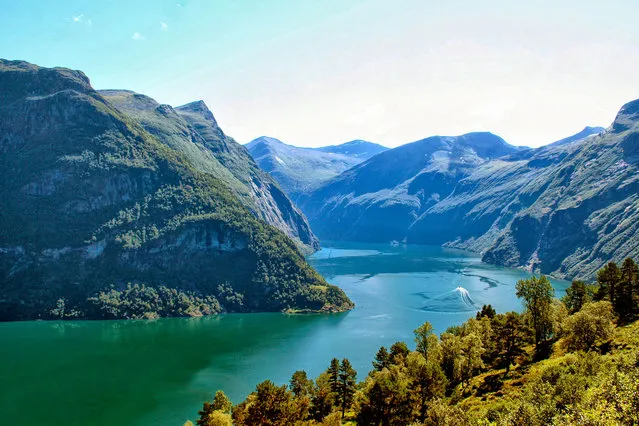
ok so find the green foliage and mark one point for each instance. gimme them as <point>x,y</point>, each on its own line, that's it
<point>578,294</point>
<point>487,311</point>
<point>217,413</point>
<point>621,287</point>
<point>347,385</point>
<point>476,373</point>
<point>107,195</point>
<point>591,326</point>
<point>268,405</point>
<point>510,338</point>
<point>138,301</point>
<point>426,341</point>
<point>537,294</point>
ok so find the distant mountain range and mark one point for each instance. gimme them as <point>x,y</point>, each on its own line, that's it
<point>562,209</point>
<point>300,170</point>
<point>101,189</point>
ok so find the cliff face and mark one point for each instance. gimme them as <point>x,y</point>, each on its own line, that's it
<point>192,130</point>
<point>587,209</point>
<point>564,209</point>
<point>98,193</point>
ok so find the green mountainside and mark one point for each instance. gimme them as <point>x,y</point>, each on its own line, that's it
<point>100,191</point>
<point>563,209</point>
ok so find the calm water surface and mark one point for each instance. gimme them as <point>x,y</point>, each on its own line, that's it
<point>159,372</point>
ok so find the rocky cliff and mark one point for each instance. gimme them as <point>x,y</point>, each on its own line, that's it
<point>563,209</point>
<point>97,193</point>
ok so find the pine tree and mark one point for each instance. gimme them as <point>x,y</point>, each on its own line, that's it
<point>382,359</point>
<point>578,294</point>
<point>608,278</point>
<point>347,384</point>
<point>510,336</point>
<point>333,375</point>
<point>299,384</point>
<point>625,302</point>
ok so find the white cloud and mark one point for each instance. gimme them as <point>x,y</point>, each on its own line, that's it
<point>78,18</point>
<point>164,26</point>
<point>137,36</point>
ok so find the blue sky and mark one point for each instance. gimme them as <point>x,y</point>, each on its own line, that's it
<point>321,72</point>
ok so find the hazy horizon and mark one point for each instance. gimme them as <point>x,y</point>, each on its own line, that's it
<point>315,74</point>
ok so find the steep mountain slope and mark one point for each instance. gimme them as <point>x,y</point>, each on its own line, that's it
<point>581,213</point>
<point>379,199</point>
<point>192,130</point>
<point>564,209</point>
<point>91,200</point>
<point>299,170</point>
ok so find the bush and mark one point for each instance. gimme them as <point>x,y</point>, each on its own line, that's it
<point>589,327</point>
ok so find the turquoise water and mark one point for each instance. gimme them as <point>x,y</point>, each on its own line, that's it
<point>159,372</point>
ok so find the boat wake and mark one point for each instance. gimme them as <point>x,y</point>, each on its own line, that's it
<point>456,300</point>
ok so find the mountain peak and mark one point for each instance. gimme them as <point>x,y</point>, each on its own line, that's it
<point>264,140</point>
<point>627,116</point>
<point>586,132</point>
<point>35,81</point>
<point>197,107</point>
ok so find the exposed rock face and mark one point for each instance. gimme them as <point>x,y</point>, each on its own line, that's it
<point>100,192</point>
<point>193,130</point>
<point>300,170</point>
<point>564,209</point>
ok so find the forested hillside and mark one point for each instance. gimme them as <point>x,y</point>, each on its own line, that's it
<point>95,197</point>
<point>563,362</point>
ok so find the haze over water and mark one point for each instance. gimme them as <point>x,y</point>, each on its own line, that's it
<point>159,372</point>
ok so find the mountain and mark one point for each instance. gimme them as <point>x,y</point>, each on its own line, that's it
<point>357,149</point>
<point>299,170</point>
<point>378,200</point>
<point>587,131</point>
<point>101,190</point>
<point>564,210</point>
<point>192,130</point>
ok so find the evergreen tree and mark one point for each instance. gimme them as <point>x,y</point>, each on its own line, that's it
<point>398,353</point>
<point>333,375</point>
<point>382,359</point>
<point>322,398</point>
<point>537,294</point>
<point>510,338</point>
<point>300,385</point>
<point>578,294</point>
<point>208,415</point>
<point>427,381</point>
<point>608,278</point>
<point>385,398</point>
<point>487,311</point>
<point>268,405</point>
<point>347,384</point>
<point>627,293</point>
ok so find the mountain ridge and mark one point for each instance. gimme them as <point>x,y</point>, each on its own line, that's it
<point>92,201</point>
<point>512,205</point>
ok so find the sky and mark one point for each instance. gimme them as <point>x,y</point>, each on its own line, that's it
<point>323,72</point>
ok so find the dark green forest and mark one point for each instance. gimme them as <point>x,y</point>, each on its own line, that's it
<point>568,361</point>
